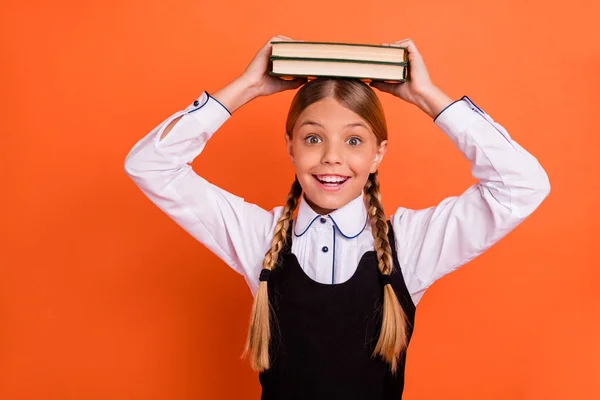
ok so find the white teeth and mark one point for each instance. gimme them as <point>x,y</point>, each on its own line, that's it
<point>331,179</point>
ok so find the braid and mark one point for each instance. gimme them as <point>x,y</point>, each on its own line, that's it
<point>392,338</point>
<point>259,333</point>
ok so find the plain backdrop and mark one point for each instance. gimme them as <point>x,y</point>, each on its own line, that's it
<point>102,296</point>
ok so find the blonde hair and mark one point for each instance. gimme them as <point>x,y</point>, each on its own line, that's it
<point>360,98</point>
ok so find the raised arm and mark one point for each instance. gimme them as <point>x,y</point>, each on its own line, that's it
<point>231,228</point>
<point>433,242</point>
<point>238,232</point>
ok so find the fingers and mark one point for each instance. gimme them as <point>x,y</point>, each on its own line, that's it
<point>296,83</point>
<point>288,38</point>
<point>267,47</point>
<point>279,38</point>
<point>408,43</point>
<point>383,86</point>
<point>280,85</point>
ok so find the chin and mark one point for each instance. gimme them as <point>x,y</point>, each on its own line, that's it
<point>325,201</point>
<point>329,203</point>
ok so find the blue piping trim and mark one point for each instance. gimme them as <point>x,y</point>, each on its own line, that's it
<point>311,222</point>
<point>342,233</point>
<point>208,97</point>
<point>445,108</point>
<point>333,263</point>
<point>455,101</point>
<point>471,101</point>
<point>220,104</point>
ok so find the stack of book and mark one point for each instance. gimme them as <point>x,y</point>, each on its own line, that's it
<point>366,62</point>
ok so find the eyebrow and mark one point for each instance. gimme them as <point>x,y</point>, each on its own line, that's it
<point>310,122</point>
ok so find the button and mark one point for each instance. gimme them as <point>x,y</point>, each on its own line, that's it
<point>196,103</point>
<point>325,249</point>
<point>323,220</point>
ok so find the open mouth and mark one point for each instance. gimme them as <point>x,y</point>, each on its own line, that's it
<point>331,181</point>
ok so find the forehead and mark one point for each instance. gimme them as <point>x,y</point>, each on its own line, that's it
<point>329,114</point>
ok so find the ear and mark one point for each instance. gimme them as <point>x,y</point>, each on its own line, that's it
<point>379,156</point>
<point>290,147</point>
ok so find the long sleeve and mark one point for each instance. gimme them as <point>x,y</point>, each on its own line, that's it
<point>238,232</point>
<point>435,241</point>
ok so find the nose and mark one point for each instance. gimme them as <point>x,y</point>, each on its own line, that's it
<point>332,154</point>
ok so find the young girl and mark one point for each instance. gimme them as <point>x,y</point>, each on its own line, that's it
<point>335,288</point>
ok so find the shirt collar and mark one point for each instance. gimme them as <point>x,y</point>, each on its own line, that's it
<point>350,219</point>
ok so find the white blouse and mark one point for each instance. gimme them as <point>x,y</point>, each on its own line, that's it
<point>430,242</point>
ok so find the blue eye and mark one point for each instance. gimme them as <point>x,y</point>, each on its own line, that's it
<point>354,141</point>
<point>309,140</point>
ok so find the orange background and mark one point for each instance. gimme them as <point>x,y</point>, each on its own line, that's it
<point>103,297</point>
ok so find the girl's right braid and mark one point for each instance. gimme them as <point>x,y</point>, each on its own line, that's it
<point>259,334</point>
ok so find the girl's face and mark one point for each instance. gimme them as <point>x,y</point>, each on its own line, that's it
<point>334,150</point>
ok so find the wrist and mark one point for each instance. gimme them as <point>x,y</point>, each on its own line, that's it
<point>237,93</point>
<point>432,100</point>
<point>247,87</point>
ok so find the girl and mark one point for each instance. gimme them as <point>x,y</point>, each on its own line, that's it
<point>335,288</point>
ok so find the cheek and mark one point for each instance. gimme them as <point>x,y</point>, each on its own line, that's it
<point>360,163</point>
<point>305,160</point>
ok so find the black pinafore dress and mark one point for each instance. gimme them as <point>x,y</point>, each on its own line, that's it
<point>323,335</point>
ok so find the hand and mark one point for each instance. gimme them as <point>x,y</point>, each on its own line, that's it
<point>418,82</point>
<point>257,75</point>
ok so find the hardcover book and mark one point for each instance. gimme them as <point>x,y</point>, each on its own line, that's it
<point>367,62</point>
